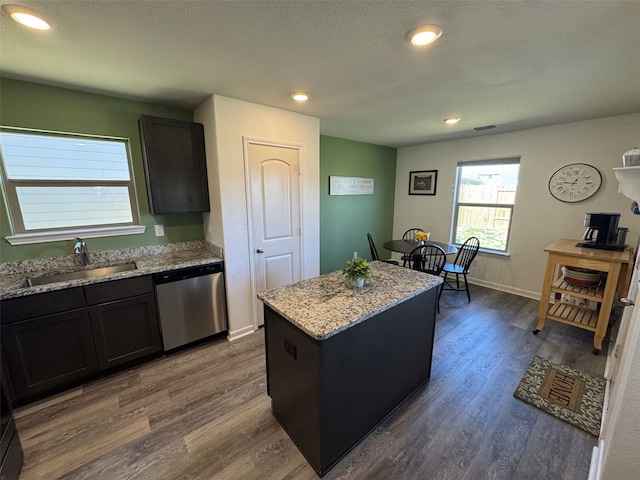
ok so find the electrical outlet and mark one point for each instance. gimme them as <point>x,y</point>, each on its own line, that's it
<point>355,254</point>
<point>159,230</point>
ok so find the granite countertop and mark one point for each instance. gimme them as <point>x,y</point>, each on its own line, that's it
<point>326,305</point>
<point>12,279</point>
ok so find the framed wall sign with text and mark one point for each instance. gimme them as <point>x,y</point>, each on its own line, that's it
<point>350,185</point>
<point>423,182</point>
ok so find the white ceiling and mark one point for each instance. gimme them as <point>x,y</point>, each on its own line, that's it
<point>514,64</point>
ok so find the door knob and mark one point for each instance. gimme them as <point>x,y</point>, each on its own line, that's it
<point>626,302</point>
<point>259,250</point>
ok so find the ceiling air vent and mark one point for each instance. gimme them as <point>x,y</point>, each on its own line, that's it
<point>486,127</point>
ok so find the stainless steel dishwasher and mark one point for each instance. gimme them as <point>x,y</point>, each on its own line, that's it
<point>191,304</point>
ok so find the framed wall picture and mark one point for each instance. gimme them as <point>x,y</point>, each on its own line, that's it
<point>423,182</point>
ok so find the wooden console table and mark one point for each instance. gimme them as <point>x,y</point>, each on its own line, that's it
<point>617,266</point>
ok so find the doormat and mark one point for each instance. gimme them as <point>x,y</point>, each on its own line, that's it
<point>565,393</point>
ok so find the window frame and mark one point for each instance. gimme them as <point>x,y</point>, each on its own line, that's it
<point>21,236</point>
<point>508,206</point>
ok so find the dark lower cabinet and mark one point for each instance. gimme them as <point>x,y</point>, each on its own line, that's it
<point>10,448</point>
<point>116,324</point>
<point>11,463</point>
<point>47,352</point>
<point>329,394</point>
<point>125,330</point>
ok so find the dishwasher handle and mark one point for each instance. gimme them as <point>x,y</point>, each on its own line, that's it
<point>186,273</point>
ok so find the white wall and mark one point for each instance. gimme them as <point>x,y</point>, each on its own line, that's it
<point>228,121</point>
<point>538,218</point>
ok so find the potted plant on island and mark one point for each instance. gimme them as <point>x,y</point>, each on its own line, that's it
<point>357,270</point>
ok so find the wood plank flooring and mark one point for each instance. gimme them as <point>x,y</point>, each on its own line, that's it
<point>203,413</point>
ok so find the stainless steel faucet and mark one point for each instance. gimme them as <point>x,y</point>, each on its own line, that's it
<point>81,249</point>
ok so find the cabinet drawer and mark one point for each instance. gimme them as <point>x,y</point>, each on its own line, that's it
<point>118,289</point>
<point>41,304</point>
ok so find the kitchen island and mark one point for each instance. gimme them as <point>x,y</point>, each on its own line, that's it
<point>341,359</point>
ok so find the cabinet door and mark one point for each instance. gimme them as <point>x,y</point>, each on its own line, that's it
<point>125,330</point>
<point>175,165</point>
<point>12,458</point>
<point>47,353</point>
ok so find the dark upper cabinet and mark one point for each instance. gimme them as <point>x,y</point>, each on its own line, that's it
<point>175,165</point>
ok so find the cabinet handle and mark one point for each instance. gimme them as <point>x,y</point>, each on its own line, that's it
<point>259,250</point>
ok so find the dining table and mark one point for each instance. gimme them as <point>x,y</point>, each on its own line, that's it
<point>407,246</point>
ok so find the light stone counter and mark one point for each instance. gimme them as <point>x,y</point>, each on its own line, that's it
<point>328,304</point>
<point>148,260</point>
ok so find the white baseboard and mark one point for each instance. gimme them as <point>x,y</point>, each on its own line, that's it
<point>595,468</point>
<point>241,332</point>
<point>505,288</point>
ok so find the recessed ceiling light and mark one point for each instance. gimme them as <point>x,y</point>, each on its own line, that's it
<point>424,35</point>
<point>300,96</point>
<point>27,17</point>
<point>452,120</point>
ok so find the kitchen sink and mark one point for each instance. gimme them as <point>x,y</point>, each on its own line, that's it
<point>78,275</point>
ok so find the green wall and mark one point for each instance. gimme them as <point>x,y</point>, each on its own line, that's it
<point>346,219</point>
<point>30,105</point>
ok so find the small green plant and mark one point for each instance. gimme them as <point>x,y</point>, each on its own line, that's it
<point>357,268</point>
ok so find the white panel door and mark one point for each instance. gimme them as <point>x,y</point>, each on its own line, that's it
<point>275,211</point>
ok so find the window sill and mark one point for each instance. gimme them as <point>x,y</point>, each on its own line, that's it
<point>494,252</point>
<point>43,237</point>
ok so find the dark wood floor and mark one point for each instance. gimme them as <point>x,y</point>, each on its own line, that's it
<point>204,413</point>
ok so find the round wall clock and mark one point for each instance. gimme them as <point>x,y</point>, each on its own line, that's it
<point>575,182</point>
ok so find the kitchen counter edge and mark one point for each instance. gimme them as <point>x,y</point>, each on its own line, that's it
<point>326,305</point>
<point>11,286</point>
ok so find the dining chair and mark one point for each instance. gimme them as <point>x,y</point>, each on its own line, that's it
<point>461,266</point>
<point>429,259</point>
<point>374,251</point>
<point>409,235</point>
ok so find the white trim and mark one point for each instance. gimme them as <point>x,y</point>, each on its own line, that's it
<point>506,288</point>
<point>246,141</point>
<point>43,237</point>
<point>241,332</point>
<point>595,468</point>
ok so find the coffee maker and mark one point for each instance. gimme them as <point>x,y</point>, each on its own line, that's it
<point>605,227</point>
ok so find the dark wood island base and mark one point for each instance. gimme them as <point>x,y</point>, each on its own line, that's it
<point>328,394</point>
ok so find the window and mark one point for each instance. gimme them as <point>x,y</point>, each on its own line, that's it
<point>59,186</point>
<point>484,198</point>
